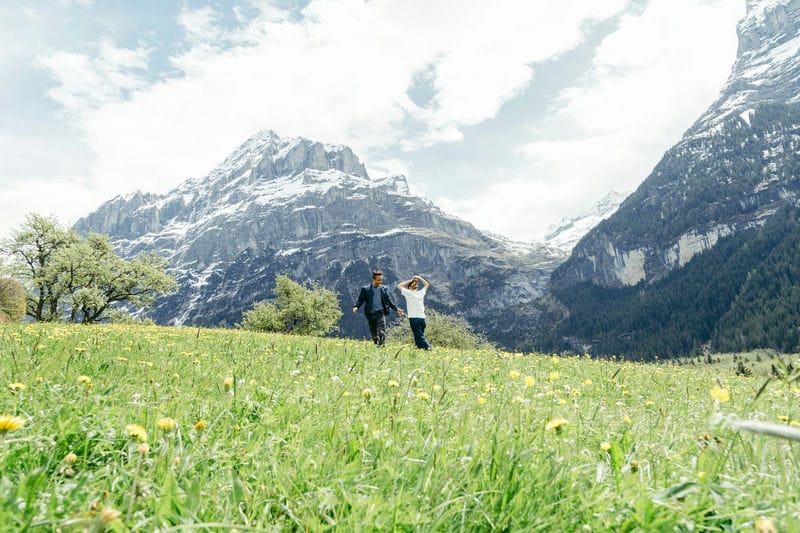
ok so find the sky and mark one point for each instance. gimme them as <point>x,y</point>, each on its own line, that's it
<point>510,114</point>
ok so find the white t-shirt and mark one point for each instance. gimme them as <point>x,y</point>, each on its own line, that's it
<point>416,307</point>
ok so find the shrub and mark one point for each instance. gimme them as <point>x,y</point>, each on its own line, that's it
<point>298,310</point>
<point>446,331</point>
<point>12,300</point>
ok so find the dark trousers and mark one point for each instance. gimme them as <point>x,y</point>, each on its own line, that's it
<point>377,327</point>
<point>418,329</point>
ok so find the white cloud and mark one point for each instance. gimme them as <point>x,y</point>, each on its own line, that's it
<point>649,81</point>
<point>340,73</point>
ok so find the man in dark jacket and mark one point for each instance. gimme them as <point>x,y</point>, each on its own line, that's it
<point>377,301</point>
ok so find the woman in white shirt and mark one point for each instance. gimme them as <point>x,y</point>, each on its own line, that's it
<point>415,305</point>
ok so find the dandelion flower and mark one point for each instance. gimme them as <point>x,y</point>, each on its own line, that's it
<point>86,380</point>
<point>143,448</point>
<point>588,382</point>
<point>627,419</point>
<point>10,423</point>
<point>228,383</point>
<point>393,383</point>
<point>554,376</point>
<point>201,425</point>
<point>166,423</point>
<point>14,387</point>
<point>556,424</point>
<point>530,381</point>
<point>366,393</point>
<point>70,458</point>
<point>135,431</point>
<point>513,374</point>
<point>720,394</point>
<point>634,465</point>
<point>765,525</point>
<point>605,446</point>
<point>109,515</point>
<point>701,475</point>
<point>481,400</point>
<point>423,396</point>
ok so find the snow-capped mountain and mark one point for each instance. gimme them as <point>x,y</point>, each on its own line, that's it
<point>703,255</point>
<point>733,169</point>
<point>565,234</point>
<point>309,210</point>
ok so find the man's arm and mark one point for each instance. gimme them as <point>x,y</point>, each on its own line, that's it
<point>390,301</point>
<point>362,297</point>
<point>424,282</point>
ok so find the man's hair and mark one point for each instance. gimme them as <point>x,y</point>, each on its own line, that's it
<point>376,273</point>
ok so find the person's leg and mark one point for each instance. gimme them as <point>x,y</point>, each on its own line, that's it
<point>418,329</point>
<point>425,344</point>
<point>381,329</point>
<point>373,327</point>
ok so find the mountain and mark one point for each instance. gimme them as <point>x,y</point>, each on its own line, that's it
<point>565,234</point>
<point>310,210</point>
<point>729,187</point>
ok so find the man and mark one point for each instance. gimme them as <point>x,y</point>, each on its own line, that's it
<point>416,308</point>
<point>377,301</point>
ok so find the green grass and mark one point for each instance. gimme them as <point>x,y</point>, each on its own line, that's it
<point>450,440</point>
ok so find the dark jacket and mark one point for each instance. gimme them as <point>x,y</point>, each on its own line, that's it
<point>365,297</point>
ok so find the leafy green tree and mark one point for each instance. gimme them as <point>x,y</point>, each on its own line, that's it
<point>80,278</point>
<point>32,249</point>
<point>296,309</point>
<point>446,331</point>
<point>12,300</point>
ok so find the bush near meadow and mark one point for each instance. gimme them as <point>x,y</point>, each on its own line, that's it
<point>118,428</point>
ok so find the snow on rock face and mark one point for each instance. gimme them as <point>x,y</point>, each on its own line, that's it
<point>767,67</point>
<point>566,234</point>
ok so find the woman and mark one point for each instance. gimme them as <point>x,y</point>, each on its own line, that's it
<point>415,305</point>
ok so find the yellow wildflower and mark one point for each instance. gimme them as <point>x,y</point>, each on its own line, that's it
<point>481,400</point>
<point>70,458</point>
<point>393,383</point>
<point>86,380</point>
<point>627,419</point>
<point>227,383</point>
<point>720,394</point>
<point>109,515</point>
<point>588,382</point>
<point>366,393</point>
<point>14,387</point>
<point>530,381</point>
<point>783,418</point>
<point>765,525</point>
<point>143,448</point>
<point>10,423</point>
<point>166,423</point>
<point>554,376</point>
<point>634,465</point>
<point>513,374</point>
<point>701,475</point>
<point>556,424</point>
<point>201,425</point>
<point>605,446</point>
<point>423,396</point>
<point>135,431</point>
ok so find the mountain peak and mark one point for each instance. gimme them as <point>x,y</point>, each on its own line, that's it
<point>766,68</point>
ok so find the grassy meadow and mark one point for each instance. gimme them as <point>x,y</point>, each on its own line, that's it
<point>172,429</point>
